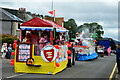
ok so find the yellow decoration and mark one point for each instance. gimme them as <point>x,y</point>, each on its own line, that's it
<point>62,52</point>
<point>45,68</point>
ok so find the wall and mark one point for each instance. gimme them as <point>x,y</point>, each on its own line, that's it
<point>6,27</point>
<point>58,20</point>
<point>0,27</point>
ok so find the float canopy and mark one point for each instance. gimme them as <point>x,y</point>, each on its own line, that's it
<point>40,24</point>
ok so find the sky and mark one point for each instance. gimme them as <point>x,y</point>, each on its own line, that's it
<point>104,12</point>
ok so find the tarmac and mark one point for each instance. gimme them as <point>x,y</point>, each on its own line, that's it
<point>117,76</point>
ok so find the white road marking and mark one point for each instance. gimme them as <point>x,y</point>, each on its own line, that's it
<point>15,76</point>
<point>100,58</point>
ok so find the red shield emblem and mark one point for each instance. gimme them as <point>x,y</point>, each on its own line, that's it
<point>49,54</point>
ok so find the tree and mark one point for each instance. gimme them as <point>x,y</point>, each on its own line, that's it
<point>72,23</point>
<point>93,28</point>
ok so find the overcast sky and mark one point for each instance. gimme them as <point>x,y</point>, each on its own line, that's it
<point>104,12</point>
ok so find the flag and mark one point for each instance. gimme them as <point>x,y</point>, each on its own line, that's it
<point>52,12</point>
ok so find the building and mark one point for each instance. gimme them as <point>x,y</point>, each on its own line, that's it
<point>58,20</point>
<point>10,19</point>
<point>21,13</point>
<point>9,23</point>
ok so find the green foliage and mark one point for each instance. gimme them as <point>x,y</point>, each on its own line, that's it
<point>7,38</point>
<point>72,23</point>
<point>93,28</point>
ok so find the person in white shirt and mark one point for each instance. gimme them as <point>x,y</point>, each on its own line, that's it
<point>4,50</point>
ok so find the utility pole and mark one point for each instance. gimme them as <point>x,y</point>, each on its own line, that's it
<point>52,6</point>
<point>53,11</point>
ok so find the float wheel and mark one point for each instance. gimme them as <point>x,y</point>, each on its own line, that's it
<point>69,60</point>
<point>69,63</point>
<point>73,57</point>
<point>76,54</point>
<point>72,60</point>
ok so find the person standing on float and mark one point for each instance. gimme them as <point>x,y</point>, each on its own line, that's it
<point>34,39</point>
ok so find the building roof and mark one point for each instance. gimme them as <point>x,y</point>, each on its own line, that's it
<point>28,17</point>
<point>12,11</point>
<point>15,12</point>
<point>6,16</point>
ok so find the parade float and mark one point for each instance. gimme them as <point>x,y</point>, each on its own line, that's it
<point>49,58</point>
<point>84,46</point>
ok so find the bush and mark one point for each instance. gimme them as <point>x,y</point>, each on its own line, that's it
<point>7,38</point>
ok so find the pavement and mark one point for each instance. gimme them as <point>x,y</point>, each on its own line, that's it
<point>117,76</point>
<point>100,68</point>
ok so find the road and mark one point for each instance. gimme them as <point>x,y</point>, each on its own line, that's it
<point>98,68</point>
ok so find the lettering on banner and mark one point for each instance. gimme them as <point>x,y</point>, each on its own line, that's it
<point>24,52</point>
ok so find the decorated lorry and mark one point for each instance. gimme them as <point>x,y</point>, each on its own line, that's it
<point>85,47</point>
<point>36,53</point>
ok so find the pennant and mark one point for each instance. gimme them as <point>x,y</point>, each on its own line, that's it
<point>52,12</point>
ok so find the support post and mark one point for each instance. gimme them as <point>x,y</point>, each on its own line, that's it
<point>51,37</point>
<point>21,34</point>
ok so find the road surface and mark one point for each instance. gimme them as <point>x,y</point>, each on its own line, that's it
<point>98,68</point>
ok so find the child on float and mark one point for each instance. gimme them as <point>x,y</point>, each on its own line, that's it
<point>61,38</point>
<point>57,41</point>
<point>28,37</point>
<point>43,41</point>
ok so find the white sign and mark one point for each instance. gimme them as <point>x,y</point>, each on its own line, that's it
<point>49,53</point>
<point>24,52</point>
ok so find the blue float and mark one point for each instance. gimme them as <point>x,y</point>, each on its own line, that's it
<point>84,57</point>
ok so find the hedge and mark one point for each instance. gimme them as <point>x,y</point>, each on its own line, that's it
<point>7,38</point>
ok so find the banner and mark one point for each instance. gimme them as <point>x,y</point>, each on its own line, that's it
<point>24,52</point>
<point>62,53</point>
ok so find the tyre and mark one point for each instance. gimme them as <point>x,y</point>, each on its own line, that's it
<point>73,57</point>
<point>69,63</point>
<point>76,54</point>
<point>70,60</point>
